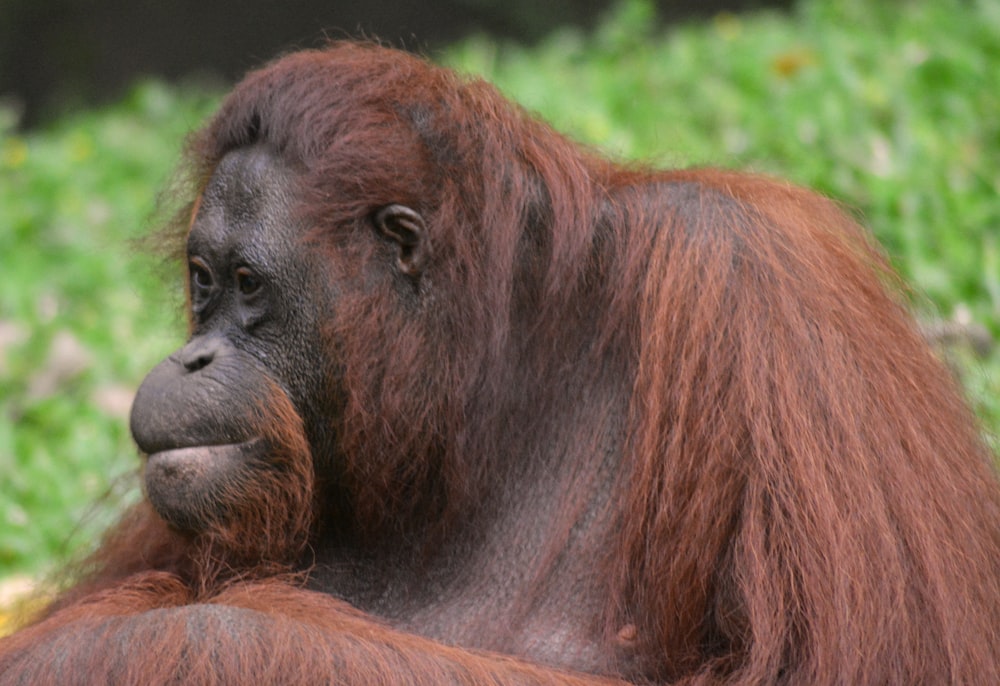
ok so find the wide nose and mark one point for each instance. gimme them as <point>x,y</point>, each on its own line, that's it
<point>199,352</point>
<point>177,407</point>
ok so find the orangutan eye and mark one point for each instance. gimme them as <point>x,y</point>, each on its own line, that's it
<point>246,282</point>
<point>202,282</point>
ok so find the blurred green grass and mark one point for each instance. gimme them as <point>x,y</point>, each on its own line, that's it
<point>891,107</point>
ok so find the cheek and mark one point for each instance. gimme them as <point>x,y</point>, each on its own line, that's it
<point>300,354</point>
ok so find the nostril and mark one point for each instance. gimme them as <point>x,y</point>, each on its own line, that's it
<point>199,353</point>
<point>198,362</point>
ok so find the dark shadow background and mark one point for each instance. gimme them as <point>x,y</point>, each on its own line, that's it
<point>60,54</point>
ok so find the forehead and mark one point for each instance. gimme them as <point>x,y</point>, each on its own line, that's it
<point>248,201</point>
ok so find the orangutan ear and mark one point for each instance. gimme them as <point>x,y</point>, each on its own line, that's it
<point>406,228</point>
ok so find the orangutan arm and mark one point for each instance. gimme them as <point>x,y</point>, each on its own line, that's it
<point>262,633</point>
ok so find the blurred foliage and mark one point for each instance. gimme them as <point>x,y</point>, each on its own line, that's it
<point>83,312</point>
<point>888,106</point>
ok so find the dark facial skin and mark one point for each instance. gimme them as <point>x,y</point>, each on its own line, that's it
<point>260,293</point>
<point>197,414</point>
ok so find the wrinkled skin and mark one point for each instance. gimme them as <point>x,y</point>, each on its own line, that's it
<point>252,332</point>
<point>258,297</point>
